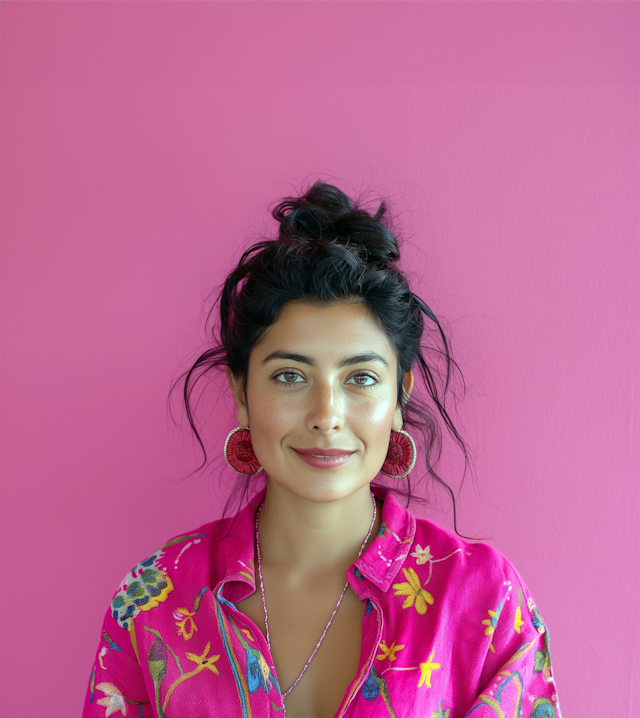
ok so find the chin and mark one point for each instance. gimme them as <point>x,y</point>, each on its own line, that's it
<point>321,489</point>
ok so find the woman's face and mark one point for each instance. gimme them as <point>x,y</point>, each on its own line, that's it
<point>322,380</point>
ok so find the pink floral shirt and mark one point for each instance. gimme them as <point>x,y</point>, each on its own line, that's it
<point>449,630</point>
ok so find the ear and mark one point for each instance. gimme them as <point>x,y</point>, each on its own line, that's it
<point>408,387</point>
<point>237,389</point>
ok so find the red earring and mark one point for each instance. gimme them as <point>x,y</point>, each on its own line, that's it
<point>401,455</point>
<point>238,451</point>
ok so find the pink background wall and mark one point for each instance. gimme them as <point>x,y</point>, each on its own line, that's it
<point>140,141</point>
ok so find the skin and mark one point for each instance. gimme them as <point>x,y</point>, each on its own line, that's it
<point>314,520</point>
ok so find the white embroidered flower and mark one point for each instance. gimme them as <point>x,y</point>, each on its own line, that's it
<point>422,555</point>
<point>114,701</point>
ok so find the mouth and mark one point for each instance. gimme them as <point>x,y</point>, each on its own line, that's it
<point>324,452</point>
<point>324,458</point>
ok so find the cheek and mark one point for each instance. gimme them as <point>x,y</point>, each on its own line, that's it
<point>373,421</point>
<point>270,421</point>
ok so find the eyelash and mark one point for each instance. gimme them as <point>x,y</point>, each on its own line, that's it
<point>275,380</point>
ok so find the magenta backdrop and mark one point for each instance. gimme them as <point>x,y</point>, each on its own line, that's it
<point>140,142</point>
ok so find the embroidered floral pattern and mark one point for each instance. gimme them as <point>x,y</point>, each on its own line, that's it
<point>413,591</point>
<point>142,589</point>
<point>505,694</point>
<point>375,686</point>
<point>543,708</point>
<point>441,712</point>
<point>181,659</point>
<point>184,617</point>
<point>542,663</point>
<point>426,669</point>
<point>259,674</point>
<point>202,661</point>
<point>517,621</point>
<point>422,555</point>
<point>389,651</point>
<point>114,700</point>
<point>491,624</point>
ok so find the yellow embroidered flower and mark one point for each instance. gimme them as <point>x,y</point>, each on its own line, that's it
<point>157,580</point>
<point>518,622</point>
<point>413,591</point>
<point>264,668</point>
<point>114,700</point>
<point>202,661</point>
<point>491,624</point>
<point>389,651</point>
<point>422,555</point>
<point>426,669</point>
<point>184,621</point>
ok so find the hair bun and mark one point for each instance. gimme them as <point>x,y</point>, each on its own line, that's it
<point>325,213</point>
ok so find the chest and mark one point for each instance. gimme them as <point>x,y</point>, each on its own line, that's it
<point>298,618</point>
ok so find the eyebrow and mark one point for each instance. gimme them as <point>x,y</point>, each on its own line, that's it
<point>347,361</point>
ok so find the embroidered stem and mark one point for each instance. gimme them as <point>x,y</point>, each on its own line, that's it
<point>177,682</point>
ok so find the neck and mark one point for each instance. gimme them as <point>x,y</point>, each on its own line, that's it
<point>304,537</point>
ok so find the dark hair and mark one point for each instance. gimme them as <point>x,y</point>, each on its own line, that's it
<point>329,248</point>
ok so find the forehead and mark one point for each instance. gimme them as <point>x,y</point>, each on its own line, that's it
<point>339,327</point>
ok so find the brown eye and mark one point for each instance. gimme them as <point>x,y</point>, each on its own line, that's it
<point>364,380</point>
<point>287,377</point>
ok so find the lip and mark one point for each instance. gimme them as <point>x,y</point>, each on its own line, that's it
<point>324,458</point>
<point>324,452</point>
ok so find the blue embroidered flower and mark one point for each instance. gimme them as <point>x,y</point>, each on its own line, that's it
<point>371,687</point>
<point>258,672</point>
<point>369,607</point>
<point>112,644</point>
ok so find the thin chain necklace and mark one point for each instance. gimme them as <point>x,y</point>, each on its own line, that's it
<point>335,610</point>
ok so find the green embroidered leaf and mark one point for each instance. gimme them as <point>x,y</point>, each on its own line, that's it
<point>136,590</point>
<point>151,575</point>
<point>158,670</point>
<point>538,661</point>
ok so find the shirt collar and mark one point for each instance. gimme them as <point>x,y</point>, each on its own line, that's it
<point>379,564</point>
<point>383,559</point>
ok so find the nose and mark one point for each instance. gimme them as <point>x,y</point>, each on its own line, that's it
<point>326,409</point>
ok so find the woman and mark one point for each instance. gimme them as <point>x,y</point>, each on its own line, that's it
<point>323,596</point>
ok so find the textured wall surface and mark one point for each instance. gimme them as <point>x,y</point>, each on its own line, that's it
<point>141,143</point>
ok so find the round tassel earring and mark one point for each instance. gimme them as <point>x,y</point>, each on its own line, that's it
<point>401,455</point>
<point>238,451</point>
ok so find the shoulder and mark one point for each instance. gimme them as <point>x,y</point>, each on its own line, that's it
<point>182,559</point>
<point>470,566</point>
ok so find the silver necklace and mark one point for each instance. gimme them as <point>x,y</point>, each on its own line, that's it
<point>335,610</point>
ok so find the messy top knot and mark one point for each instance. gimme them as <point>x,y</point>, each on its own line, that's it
<point>326,213</point>
<point>329,248</point>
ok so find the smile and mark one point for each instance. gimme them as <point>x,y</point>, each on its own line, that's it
<point>328,459</point>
